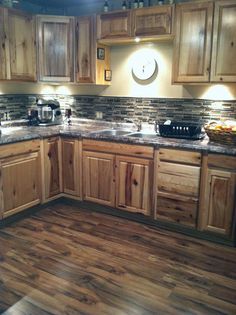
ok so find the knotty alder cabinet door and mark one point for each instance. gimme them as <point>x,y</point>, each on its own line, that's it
<point>134,184</point>
<point>99,177</point>
<point>51,162</point>
<point>72,166</point>
<point>218,195</point>
<point>177,178</point>
<point>18,48</point>
<point>153,21</point>
<point>55,48</point>
<point>20,180</point>
<point>192,45</point>
<point>113,25</point>
<point>223,65</point>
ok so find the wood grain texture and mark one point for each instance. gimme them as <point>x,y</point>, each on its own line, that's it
<point>192,54</point>
<point>22,45</point>
<point>85,49</point>
<point>114,24</point>
<point>133,184</point>
<point>3,53</point>
<point>99,177</point>
<point>223,65</point>
<point>71,166</point>
<point>66,260</point>
<point>180,156</point>
<point>218,199</point>
<point>55,48</point>
<point>118,148</point>
<point>52,179</point>
<point>153,21</point>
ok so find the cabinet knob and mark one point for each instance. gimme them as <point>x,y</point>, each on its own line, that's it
<point>232,44</point>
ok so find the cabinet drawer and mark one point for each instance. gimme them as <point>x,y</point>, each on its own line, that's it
<point>118,148</point>
<point>218,160</point>
<point>176,210</point>
<point>19,148</point>
<point>178,179</point>
<point>178,156</point>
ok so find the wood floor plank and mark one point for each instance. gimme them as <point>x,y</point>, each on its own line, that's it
<point>73,261</point>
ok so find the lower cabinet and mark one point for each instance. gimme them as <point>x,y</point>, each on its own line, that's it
<point>20,178</point>
<point>177,177</point>
<point>218,195</point>
<point>120,181</point>
<point>99,177</point>
<point>72,166</point>
<point>134,183</point>
<point>51,162</point>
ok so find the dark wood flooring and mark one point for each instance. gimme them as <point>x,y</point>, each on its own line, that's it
<point>66,260</point>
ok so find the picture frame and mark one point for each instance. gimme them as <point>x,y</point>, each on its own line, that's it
<point>100,53</point>
<point>108,75</point>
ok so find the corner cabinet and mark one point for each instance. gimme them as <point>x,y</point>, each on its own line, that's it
<point>192,45</point>
<point>72,166</point>
<point>17,46</point>
<point>20,180</point>
<point>223,65</point>
<point>51,168</point>
<point>218,195</point>
<point>89,68</point>
<point>55,36</point>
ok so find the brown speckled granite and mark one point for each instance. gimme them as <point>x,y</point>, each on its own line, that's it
<point>83,129</point>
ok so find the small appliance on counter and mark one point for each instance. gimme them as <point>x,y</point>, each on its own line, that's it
<point>181,130</point>
<point>33,119</point>
<point>49,112</point>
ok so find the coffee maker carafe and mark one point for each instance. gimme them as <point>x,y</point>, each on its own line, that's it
<point>49,112</point>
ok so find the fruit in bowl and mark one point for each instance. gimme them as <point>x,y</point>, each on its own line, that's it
<point>226,126</point>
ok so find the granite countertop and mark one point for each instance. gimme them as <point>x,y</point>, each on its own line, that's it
<point>84,128</point>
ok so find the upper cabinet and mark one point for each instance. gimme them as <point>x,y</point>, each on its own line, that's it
<point>89,68</point>
<point>192,48</point>
<point>17,46</point>
<point>115,25</point>
<point>55,48</point>
<point>223,66</point>
<point>151,23</point>
<point>205,42</point>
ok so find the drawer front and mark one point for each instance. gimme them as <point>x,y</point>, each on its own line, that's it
<point>118,148</point>
<point>19,148</point>
<point>176,210</point>
<point>180,156</point>
<point>178,179</point>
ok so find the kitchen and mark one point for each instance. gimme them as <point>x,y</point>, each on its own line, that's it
<point>98,216</point>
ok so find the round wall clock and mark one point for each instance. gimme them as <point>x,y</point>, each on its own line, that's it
<point>145,68</point>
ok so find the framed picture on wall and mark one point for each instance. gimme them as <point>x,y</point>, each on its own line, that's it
<point>100,53</point>
<point>108,75</point>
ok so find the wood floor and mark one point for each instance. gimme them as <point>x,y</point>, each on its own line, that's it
<point>66,260</point>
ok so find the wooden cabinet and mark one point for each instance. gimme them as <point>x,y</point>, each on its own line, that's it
<point>218,195</point>
<point>72,166</point>
<point>51,162</point>
<point>133,184</point>
<point>20,180</point>
<point>192,45</point>
<point>55,48</point>
<point>99,177</point>
<point>177,177</point>
<point>223,65</point>
<point>17,50</point>
<point>115,24</point>
<point>115,180</point>
<point>90,69</point>
<point>153,21</point>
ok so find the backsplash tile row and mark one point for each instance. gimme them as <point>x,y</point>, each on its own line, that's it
<point>122,108</point>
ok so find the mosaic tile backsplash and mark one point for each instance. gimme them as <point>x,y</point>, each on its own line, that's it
<point>123,108</point>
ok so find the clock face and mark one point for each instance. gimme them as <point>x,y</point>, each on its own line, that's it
<point>145,68</point>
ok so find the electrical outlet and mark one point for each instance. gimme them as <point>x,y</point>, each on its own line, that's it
<point>99,115</point>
